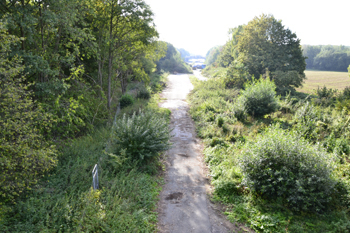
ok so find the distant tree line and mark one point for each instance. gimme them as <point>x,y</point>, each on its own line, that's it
<point>327,57</point>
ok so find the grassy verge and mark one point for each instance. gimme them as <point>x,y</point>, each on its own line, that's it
<point>65,202</point>
<point>225,138</point>
<point>213,72</point>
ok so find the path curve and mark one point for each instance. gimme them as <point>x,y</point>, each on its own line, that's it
<point>184,205</point>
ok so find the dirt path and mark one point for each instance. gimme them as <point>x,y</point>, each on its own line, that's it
<point>184,205</point>
<point>198,75</point>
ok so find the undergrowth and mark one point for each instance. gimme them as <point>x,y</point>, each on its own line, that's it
<point>227,138</point>
<point>64,201</point>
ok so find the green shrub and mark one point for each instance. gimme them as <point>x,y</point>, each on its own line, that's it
<point>220,121</point>
<point>325,92</point>
<point>282,165</point>
<point>259,97</point>
<point>144,93</point>
<point>217,141</point>
<point>239,111</point>
<point>143,135</point>
<point>126,100</point>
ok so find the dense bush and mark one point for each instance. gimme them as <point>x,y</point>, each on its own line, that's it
<point>126,100</point>
<point>144,93</point>
<point>258,98</point>
<point>143,135</point>
<point>282,165</point>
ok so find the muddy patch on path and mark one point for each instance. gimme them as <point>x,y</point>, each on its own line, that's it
<point>184,205</point>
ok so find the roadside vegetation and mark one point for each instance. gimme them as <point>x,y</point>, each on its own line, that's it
<point>278,158</point>
<point>71,74</point>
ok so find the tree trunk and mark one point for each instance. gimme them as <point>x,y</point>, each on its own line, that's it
<point>110,60</point>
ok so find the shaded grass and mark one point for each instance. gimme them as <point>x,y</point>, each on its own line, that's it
<point>330,79</point>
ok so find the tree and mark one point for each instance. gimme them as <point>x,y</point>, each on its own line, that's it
<point>212,55</point>
<point>229,52</point>
<point>123,29</point>
<point>172,61</point>
<point>310,52</point>
<point>184,53</point>
<point>266,44</point>
<point>24,154</point>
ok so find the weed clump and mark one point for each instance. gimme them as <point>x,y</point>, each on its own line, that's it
<point>282,165</point>
<point>143,135</point>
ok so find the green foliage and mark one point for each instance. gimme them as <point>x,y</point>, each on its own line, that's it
<point>143,135</point>
<point>325,96</point>
<point>258,98</point>
<point>327,57</point>
<point>144,93</point>
<point>24,154</point>
<point>172,62</point>
<point>220,121</point>
<point>184,53</point>
<point>281,165</point>
<point>287,81</point>
<point>236,75</point>
<point>212,55</point>
<point>229,52</point>
<point>126,100</point>
<point>213,72</point>
<point>266,44</point>
<point>325,92</point>
<point>328,128</point>
<point>65,202</point>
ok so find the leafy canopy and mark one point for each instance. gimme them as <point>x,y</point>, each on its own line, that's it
<point>24,155</point>
<point>266,44</point>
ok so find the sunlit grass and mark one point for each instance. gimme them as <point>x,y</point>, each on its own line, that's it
<point>330,79</point>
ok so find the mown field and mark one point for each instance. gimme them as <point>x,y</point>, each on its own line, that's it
<point>330,79</point>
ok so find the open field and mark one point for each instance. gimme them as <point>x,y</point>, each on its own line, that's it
<point>330,79</point>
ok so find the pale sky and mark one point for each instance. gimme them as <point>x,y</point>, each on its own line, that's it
<point>198,25</point>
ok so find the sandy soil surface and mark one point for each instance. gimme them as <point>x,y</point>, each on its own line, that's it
<point>184,205</point>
